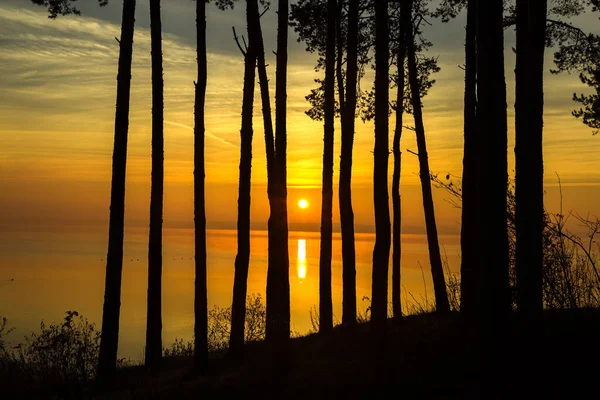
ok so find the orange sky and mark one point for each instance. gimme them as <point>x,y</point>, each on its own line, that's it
<point>57,95</point>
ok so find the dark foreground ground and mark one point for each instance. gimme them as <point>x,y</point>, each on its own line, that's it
<point>424,357</point>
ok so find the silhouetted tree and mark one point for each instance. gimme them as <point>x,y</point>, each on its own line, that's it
<point>529,189</point>
<point>242,259</point>
<point>437,272</point>
<point>200,289</point>
<point>492,174</point>
<point>107,361</point>
<point>348,118</point>
<point>469,246</point>
<point>308,18</point>
<point>325,301</point>
<point>280,214</point>
<point>470,266</point>
<point>154,310</point>
<point>381,251</point>
<point>469,240</point>
<point>278,303</point>
<point>396,204</point>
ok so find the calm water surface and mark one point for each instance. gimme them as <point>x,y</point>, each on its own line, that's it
<point>43,274</point>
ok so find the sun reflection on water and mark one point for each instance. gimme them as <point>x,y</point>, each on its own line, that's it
<point>301,259</point>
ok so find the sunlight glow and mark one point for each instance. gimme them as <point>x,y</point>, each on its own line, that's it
<point>303,204</point>
<point>301,258</point>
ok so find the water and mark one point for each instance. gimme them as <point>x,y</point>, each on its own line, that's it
<point>45,273</point>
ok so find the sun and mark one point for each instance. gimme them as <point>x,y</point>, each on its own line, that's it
<point>303,204</point>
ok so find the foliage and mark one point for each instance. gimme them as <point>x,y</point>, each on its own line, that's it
<point>426,65</point>
<point>308,19</point>
<point>590,112</point>
<point>62,7</point>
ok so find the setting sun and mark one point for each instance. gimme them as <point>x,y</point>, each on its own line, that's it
<point>303,204</point>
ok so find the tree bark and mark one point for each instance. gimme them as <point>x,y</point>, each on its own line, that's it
<point>396,204</point>
<point>154,309</point>
<point>437,271</point>
<point>345,186</point>
<point>381,251</point>
<point>280,216</point>
<point>242,259</point>
<point>325,297</point>
<point>529,165</point>
<point>492,175</point>
<point>469,245</point>
<point>200,289</point>
<point>107,361</point>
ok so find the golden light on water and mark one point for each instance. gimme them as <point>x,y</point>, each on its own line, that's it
<point>303,204</point>
<point>301,258</point>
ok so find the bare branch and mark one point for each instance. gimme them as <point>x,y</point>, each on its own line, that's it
<point>235,37</point>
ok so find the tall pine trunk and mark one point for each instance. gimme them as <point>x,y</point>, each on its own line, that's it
<point>345,189</point>
<point>107,361</point>
<point>381,251</point>
<point>469,246</point>
<point>396,204</point>
<point>200,290</point>
<point>242,259</point>
<point>325,298</point>
<point>278,309</point>
<point>492,175</point>
<point>281,220</point>
<point>154,310</point>
<point>493,304</point>
<point>437,271</point>
<point>529,166</point>
<point>339,56</point>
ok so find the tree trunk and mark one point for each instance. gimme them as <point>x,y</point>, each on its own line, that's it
<point>107,361</point>
<point>281,253</point>
<point>339,57</point>
<point>529,188</point>
<point>278,314</point>
<point>396,204</point>
<point>345,186</point>
<point>529,166</point>
<point>492,176</point>
<point>437,271</point>
<point>325,298</point>
<point>200,290</point>
<point>242,259</point>
<point>468,239</point>
<point>493,304</point>
<point>381,251</point>
<point>154,310</point>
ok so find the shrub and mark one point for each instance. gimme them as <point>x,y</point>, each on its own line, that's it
<point>62,354</point>
<point>219,328</point>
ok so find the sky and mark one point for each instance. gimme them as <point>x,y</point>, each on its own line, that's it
<point>57,104</point>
